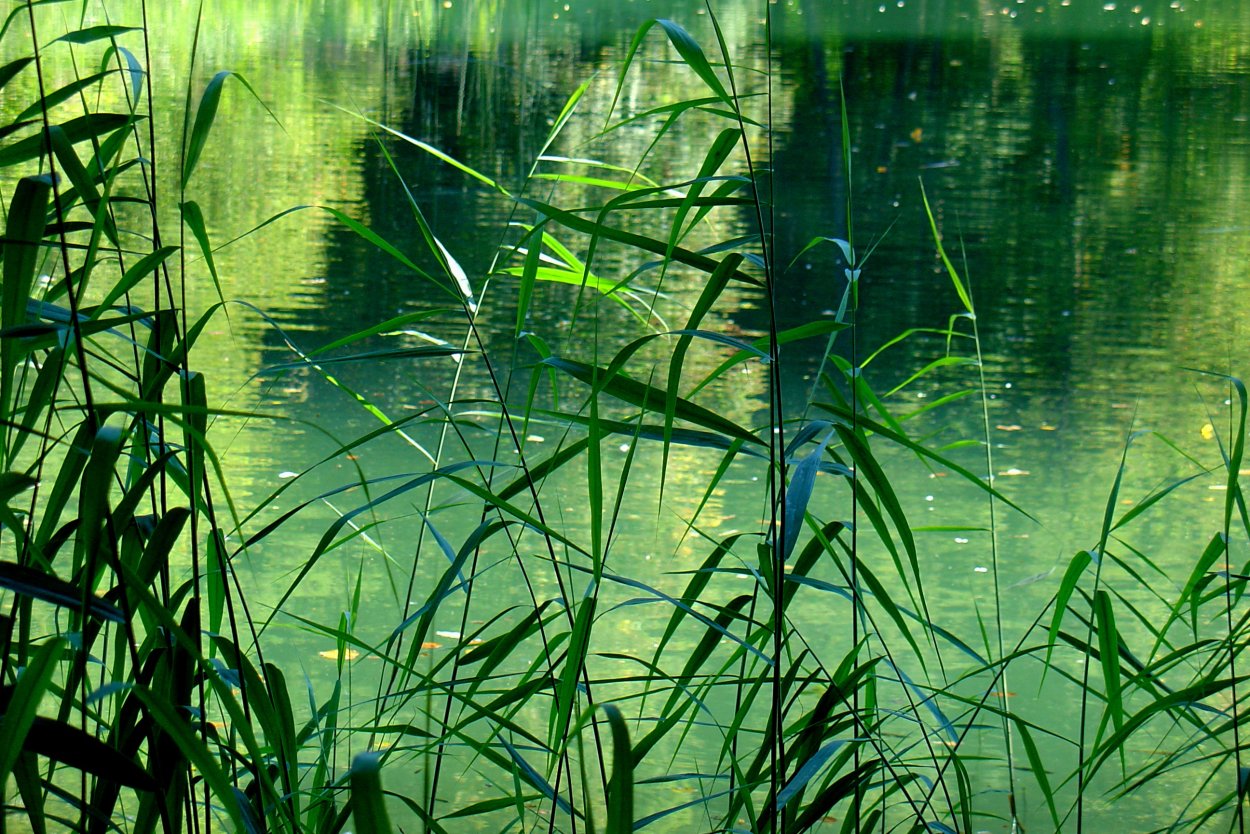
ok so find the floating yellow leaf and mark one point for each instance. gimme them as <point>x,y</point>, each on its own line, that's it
<point>333,654</point>
<point>1013,472</point>
<point>1011,427</point>
<point>1047,427</point>
<point>1207,431</point>
<point>429,645</point>
<point>917,134</point>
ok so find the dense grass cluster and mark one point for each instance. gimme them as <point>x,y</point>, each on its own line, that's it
<point>799,681</point>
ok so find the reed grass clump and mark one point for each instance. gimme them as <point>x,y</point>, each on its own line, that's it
<point>790,672</point>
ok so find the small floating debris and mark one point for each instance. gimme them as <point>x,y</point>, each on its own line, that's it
<point>1009,427</point>
<point>431,645</point>
<point>1207,431</point>
<point>1048,427</point>
<point>450,635</point>
<point>960,540</point>
<point>333,654</point>
<point>535,438</point>
<point>1014,472</point>
<point>917,135</point>
<point>981,569</point>
<point>288,474</point>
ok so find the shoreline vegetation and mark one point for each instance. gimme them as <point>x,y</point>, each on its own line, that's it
<point>802,677</point>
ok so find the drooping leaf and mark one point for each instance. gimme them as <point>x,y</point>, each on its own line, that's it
<point>71,746</point>
<point>43,586</point>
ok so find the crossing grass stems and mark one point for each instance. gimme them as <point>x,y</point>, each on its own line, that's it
<point>135,691</point>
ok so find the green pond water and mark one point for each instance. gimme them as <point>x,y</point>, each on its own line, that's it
<point>1089,164</point>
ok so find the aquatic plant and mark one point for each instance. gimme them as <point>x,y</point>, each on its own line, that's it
<point>800,676</point>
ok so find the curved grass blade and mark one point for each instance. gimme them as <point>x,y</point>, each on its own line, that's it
<point>206,113</point>
<point>48,588</point>
<point>71,746</point>
<point>1109,654</point>
<point>621,785</point>
<point>19,715</point>
<point>10,70</point>
<point>799,493</point>
<point>1067,585</point>
<point>58,96</point>
<point>139,270</point>
<point>95,33</point>
<point>78,129</point>
<point>23,231</point>
<point>689,50</point>
<point>643,395</point>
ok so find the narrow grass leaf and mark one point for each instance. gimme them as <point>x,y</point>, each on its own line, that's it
<point>1039,772</point>
<point>1109,654</point>
<point>574,658</point>
<point>643,395</point>
<point>206,113</point>
<point>368,801</point>
<point>71,746</point>
<point>52,99</point>
<point>10,70</point>
<point>43,586</point>
<point>79,129</point>
<point>194,218</point>
<point>535,779</point>
<point>529,275</point>
<point>958,283</point>
<point>23,231</point>
<point>621,784</point>
<point>139,270</point>
<point>93,501</point>
<point>799,493</point>
<point>806,771</point>
<point>95,33</point>
<point>703,263</point>
<point>761,345</point>
<point>133,67</point>
<point>19,714</point>
<point>1067,585</point>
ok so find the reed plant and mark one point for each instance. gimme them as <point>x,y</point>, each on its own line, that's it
<point>796,676</point>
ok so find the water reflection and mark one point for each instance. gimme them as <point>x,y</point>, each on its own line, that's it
<point>1088,164</point>
<point>1088,170</point>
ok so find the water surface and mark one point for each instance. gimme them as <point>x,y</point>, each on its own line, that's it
<point>1088,164</point>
